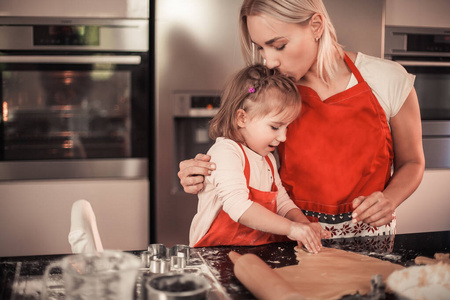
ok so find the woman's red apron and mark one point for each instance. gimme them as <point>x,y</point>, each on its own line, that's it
<point>338,149</point>
<point>225,231</point>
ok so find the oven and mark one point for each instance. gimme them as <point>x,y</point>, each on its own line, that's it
<point>76,123</point>
<point>75,98</point>
<point>192,112</point>
<point>425,52</point>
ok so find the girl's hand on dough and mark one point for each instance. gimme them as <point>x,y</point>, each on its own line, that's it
<point>324,234</point>
<point>307,235</point>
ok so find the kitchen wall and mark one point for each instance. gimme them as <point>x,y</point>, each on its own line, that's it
<point>197,49</point>
<point>426,13</point>
<point>359,24</point>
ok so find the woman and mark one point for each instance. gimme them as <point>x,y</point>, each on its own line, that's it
<point>360,117</point>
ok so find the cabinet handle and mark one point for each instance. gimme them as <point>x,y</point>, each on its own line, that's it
<point>423,63</point>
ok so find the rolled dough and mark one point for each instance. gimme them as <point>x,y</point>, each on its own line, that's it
<point>438,257</point>
<point>333,273</point>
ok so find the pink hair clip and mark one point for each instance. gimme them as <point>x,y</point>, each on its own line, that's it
<point>251,90</point>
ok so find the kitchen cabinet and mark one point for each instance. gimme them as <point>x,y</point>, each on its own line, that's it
<point>428,207</point>
<point>37,222</point>
<point>426,13</point>
<point>132,9</point>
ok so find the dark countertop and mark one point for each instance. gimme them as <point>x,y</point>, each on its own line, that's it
<point>19,273</point>
<point>401,249</point>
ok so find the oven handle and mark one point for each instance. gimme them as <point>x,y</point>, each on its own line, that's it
<point>408,63</point>
<point>72,59</point>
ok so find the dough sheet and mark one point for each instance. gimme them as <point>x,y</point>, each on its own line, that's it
<point>334,273</point>
<point>438,258</point>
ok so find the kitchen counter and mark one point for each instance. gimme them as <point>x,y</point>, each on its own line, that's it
<point>401,249</point>
<point>19,274</point>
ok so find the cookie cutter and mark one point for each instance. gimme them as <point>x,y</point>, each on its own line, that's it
<point>160,259</point>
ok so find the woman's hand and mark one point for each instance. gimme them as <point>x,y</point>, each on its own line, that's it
<point>193,171</point>
<point>375,209</point>
<point>307,234</point>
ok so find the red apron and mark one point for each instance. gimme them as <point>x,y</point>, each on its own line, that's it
<point>338,149</point>
<point>225,231</point>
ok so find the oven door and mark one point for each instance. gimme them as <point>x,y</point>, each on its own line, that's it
<point>73,115</point>
<point>432,85</point>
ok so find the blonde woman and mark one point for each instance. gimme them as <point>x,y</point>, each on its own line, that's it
<point>243,201</point>
<point>355,152</point>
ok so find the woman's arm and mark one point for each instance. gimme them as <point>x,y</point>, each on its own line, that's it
<point>409,163</point>
<point>193,171</point>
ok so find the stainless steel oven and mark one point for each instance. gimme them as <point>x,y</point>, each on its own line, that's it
<point>75,98</point>
<point>75,124</point>
<point>425,52</point>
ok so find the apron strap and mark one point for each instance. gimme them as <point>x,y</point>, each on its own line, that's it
<point>353,68</point>
<point>246,167</point>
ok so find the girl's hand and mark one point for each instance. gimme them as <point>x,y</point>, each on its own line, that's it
<point>375,210</point>
<point>193,171</point>
<point>307,234</point>
<point>324,234</point>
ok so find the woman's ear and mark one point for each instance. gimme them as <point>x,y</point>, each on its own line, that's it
<point>317,25</point>
<point>241,118</point>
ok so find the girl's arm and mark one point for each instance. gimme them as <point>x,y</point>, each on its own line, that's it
<point>259,218</point>
<point>297,215</point>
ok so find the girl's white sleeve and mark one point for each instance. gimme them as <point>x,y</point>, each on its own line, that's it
<point>228,179</point>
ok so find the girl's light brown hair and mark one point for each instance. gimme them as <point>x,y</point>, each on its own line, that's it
<point>297,12</point>
<point>273,93</point>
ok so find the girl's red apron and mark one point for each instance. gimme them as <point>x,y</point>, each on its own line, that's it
<point>338,149</point>
<point>225,231</point>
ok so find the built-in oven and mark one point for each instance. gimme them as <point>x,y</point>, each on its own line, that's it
<point>76,123</point>
<point>75,98</point>
<point>425,52</point>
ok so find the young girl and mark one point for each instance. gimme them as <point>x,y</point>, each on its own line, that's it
<point>243,201</point>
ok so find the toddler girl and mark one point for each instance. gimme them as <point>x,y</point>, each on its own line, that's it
<point>243,201</point>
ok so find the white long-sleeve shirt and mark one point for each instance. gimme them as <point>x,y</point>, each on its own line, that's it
<point>226,188</point>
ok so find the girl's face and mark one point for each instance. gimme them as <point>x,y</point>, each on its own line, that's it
<point>263,134</point>
<point>291,48</point>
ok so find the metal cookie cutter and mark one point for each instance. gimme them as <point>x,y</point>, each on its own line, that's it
<point>179,257</point>
<point>160,259</point>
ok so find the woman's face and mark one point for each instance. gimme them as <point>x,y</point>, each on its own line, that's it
<point>291,48</point>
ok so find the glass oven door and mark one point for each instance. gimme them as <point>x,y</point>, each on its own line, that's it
<point>75,115</point>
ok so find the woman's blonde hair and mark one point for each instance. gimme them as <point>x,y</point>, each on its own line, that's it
<point>298,12</point>
<point>259,91</point>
